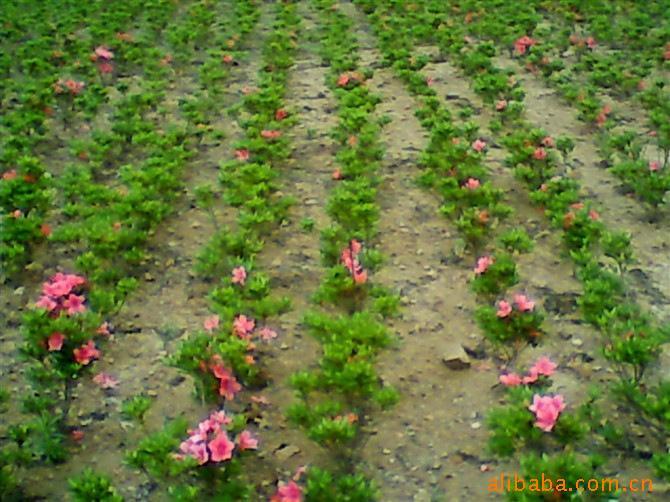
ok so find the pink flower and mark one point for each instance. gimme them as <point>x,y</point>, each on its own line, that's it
<point>281,114</point>
<point>543,366</point>
<point>343,80</point>
<point>228,385</point>
<point>478,145</point>
<point>242,155</point>
<point>86,353</point>
<point>227,58</point>
<point>501,105</point>
<point>523,43</point>
<point>540,154</point>
<point>472,184</point>
<point>591,43</point>
<point>270,134</point>
<point>243,326</point>
<point>55,341</point>
<point>654,166</point>
<point>547,409</point>
<point>483,264</point>
<point>74,87</point>
<point>267,334</point>
<point>221,447</point>
<point>504,309</point>
<point>523,303</point>
<point>103,52</point>
<point>103,329</point>
<point>105,381</point>
<point>356,247</point>
<point>239,275</point>
<point>246,441</point>
<point>337,174</point>
<point>195,449</point>
<point>74,304</point>
<point>9,175</point>
<point>219,418</point>
<point>61,284</point>
<point>510,379</point>
<point>211,323</point>
<point>45,302</point>
<point>287,492</point>
<point>548,141</point>
<point>593,215</point>
<point>530,378</point>
<point>360,276</point>
<point>105,67</point>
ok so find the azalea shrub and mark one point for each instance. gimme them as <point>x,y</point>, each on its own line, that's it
<point>90,485</point>
<point>217,356</point>
<point>494,274</point>
<point>24,198</point>
<point>324,485</point>
<point>511,321</point>
<point>345,374</point>
<point>535,419</point>
<point>60,334</point>
<point>516,240</point>
<point>209,453</point>
<point>346,283</point>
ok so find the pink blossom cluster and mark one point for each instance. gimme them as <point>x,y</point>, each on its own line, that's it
<point>243,326</point>
<point>522,44</point>
<point>483,264</point>
<point>602,116</point>
<point>228,384</point>
<point>59,294</point>
<point>547,409</point>
<point>589,42</point>
<point>472,184</point>
<point>242,155</point>
<point>74,87</point>
<point>478,145</point>
<point>210,441</point>
<point>288,492</point>
<point>351,76</point>
<point>521,304</point>
<point>270,134</point>
<point>349,258</point>
<point>103,56</point>
<point>542,367</point>
<point>239,275</point>
<point>570,216</point>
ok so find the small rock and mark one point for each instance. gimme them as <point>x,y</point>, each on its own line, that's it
<point>285,452</point>
<point>455,357</point>
<point>577,342</point>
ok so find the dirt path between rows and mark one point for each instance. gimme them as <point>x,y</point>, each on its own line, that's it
<point>292,255</point>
